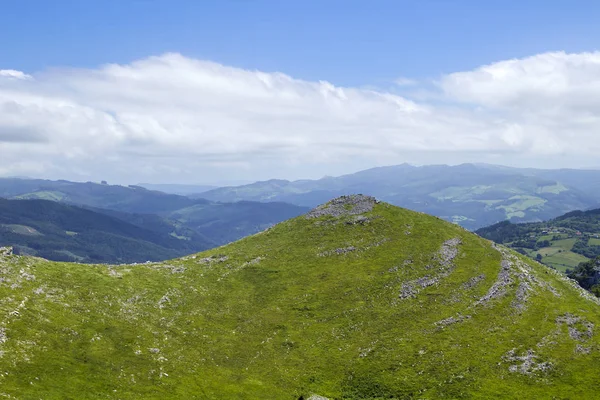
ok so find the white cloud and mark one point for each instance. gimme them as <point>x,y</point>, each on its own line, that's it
<point>11,73</point>
<point>172,118</point>
<point>553,99</point>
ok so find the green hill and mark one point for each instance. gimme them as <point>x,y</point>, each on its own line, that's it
<point>355,300</point>
<point>562,242</point>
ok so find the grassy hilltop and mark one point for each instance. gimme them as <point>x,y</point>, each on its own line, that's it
<point>355,300</point>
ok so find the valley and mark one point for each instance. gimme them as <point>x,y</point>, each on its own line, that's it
<point>561,243</point>
<point>91,222</point>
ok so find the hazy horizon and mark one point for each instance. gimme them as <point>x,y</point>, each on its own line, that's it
<point>248,182</point>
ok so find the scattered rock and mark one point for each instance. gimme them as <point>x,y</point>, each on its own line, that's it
<point>162,303</point>
<point>525,364</point>
<point>499,287</point>
<point>512,270</point>
<point>573,323</point>
<point>27,276</point>
<point>395,268</point>
<point>6,251</point>
<point>339,251</point>
<point>522,295</point>
<point>213,259</point>
<point>448,253</point>
<point>412,288</point>
<point>358,220</point>
<point>579,349</point>
<point>354,204</point>
<point>113,273</point>
<point>452,320</point>
<point>154,350</point>
<point>445,264</point>
<point>473,282</point>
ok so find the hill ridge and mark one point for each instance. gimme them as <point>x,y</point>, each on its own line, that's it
<point>409,307</point>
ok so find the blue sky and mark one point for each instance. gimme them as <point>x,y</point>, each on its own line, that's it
<point>211,91</point>
<point>346,42</point>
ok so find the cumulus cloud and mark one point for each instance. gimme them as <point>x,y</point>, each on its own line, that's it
<point>552,100</point>
<point>173,118</point>
<point>11,73</point>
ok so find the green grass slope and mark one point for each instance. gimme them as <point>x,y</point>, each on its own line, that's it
<point>356,300</point>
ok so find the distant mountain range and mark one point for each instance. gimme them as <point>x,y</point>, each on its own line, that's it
<point>473,195</point>
<point>177,188</point>
<point>122,224</point>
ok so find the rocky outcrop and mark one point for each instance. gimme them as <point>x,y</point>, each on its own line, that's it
<point>354,204</point>
<point>6,251</point>
<point>444,264</point>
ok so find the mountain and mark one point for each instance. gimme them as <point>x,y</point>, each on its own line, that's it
<point>67,233</point>
<point>472,195</point>
<point>133,199</point>
<point>355,300</point>
<point>177,188</point>
<point>166,214</point>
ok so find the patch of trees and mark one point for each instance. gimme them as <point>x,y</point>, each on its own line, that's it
<point>583,247</point>
<point>587,274</point>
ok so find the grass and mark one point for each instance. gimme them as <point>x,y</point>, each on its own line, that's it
<point>559,255</point>
<point>44,195</point>
<point>460,193</point>
<point>281,315</point>
<point>554,189</point>
<point>562,261</point>
<point>520,204</point>
<point>22,230</point>
<point>564,244</point>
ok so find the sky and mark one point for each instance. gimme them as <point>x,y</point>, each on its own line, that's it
<point>219,91</point>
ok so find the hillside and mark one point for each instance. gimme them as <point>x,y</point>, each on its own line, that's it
<point>195,220</point>
<point>472,195</point>
<point>67,233</point>
<point>355,300</point>
<point>562,242</point>
<point>227,222</point>
<point>177,188</point>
